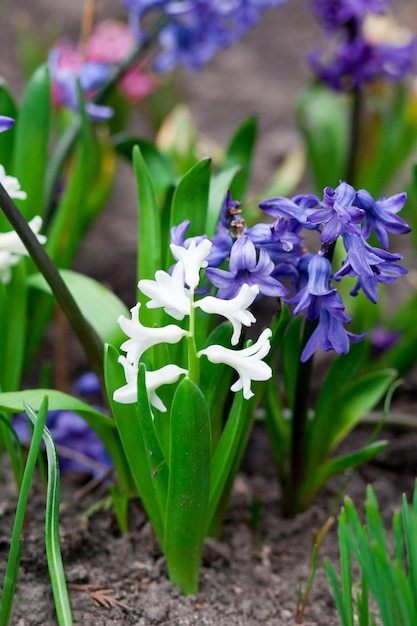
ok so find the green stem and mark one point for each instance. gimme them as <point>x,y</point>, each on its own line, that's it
<point>299,425</point>
<point>193,360</point>
<point>85,333</point>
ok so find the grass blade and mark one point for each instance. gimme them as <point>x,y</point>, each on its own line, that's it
<point>53,551</point>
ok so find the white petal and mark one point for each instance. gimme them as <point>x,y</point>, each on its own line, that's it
<point>247,362</point>
<point>234,309</point>
<point>142,337</point>
<point>168,291</point>
<point>193,259</point>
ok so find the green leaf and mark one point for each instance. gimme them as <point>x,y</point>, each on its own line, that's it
<point>16,542</point>
<point>52,545</point>
<point>67,225</point>
<point>32,139</point>
<point>240,153</point>
<point>339,374</point>
<point>336,418</point>
<point>188,487</point>
<point>320,475</point>
<point>322,118</point>
<point>144,455</point>
<point>100,306</point>
<point>190,200</point>
<point>58,401</point>
<point>149,234</point>
<point>160,168</point>
<point>13,325</point>
<point>229,450</point>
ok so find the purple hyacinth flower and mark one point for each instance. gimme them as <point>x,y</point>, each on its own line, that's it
<point>335,13</point>
<point>357,61</point>
<point>246,266</point>
<point>338,216</point>
<point>74,439</point>
<point>383,273</point>
<point>5,123</point>
<point>318,294</point>
<point>381,215</point>
<point>330,334</point>
<point>197,29</point>
<point>371,265</point>
<point>298,208</point>
<point>382,339</point>
<point>281,240</point>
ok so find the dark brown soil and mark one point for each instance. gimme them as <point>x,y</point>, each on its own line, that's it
<point>248,578</point>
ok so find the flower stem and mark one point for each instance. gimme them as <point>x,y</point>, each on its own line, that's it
<point>193,360</point>
<point>299,425</point>
<point>85,333</point>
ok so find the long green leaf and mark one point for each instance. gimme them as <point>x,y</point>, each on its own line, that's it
<point>218,188</point>
<point>145,460</point>
<point>190,200</point>
<point>32,138</point>
<point>10,577</point>
<point>53,549</point>
<point>240,153</point>
<point>13,333</point>
<point>188,486</point>
<point>149,234</point>
<point>100,306</point>
<point>100,423</point>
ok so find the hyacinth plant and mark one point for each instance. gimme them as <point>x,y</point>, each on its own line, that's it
<point>357,117</point>
<point>222,267</point>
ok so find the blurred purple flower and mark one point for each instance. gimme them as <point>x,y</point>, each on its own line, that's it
<point>66,69</point>
<point>357,61</point>
<point>5,123</point>
<point>381,215</point>
<point>196,29</point>
<point>335,13</point>
<point>246,266</point>
<point>74,440</point>
<point>382,339</point>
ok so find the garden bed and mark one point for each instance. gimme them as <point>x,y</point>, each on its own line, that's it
<point>248,578</point>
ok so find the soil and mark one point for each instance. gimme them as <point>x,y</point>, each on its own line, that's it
<point>251,576</point>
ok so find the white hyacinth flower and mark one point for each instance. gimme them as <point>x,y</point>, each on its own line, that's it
<point>128,394</point>
<point>12,248</point>
<point>234,309</point>
<point>141,337</point>
<point>168,291</point>
<point>11,185</point>
<point>193,259</point>
<point>247,362</point>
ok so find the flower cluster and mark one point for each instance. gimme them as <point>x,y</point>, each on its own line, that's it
<point>175,293</point>
<point>196,29</point>
<point>265,254</point>
<point>110,42</point>
<point>359,58</point>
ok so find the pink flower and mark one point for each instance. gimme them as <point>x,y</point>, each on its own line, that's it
<point>110,42</point>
